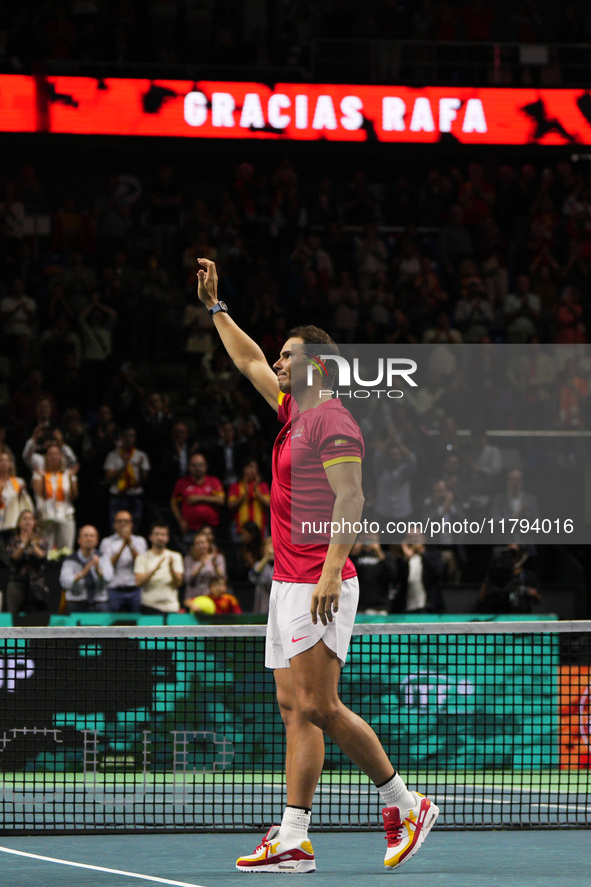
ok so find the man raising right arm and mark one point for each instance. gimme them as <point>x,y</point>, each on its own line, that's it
<point>245,353</point>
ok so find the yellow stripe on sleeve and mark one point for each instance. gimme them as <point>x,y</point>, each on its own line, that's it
<point>341,459</point>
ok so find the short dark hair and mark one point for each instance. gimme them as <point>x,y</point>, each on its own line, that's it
<point>159,524</point>
<point>313,335</point>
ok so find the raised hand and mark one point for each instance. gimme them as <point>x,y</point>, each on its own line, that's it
<point>207,289</point>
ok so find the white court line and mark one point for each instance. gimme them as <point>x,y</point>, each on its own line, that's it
<point>98,868</point>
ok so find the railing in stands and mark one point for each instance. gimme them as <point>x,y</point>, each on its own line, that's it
<point>432,63</point>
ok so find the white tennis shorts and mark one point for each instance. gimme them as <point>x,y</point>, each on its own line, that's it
<point>290,629</point>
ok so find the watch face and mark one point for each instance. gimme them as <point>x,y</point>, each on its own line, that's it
<point>223,306</point>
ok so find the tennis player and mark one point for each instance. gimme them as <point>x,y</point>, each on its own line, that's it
<point>314,596</point>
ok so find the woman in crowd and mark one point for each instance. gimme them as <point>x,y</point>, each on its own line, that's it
<point>202,564</point>
<point>56,489</point>
<point>27,554</point>
<point>13,494</point>
<point>261,576</point>
<point>247,552</point>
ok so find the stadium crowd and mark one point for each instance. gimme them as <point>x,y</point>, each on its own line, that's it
<point>260,33</point>
<point>121,414</point>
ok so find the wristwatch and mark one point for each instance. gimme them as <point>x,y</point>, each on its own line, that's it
<point>219,306</point>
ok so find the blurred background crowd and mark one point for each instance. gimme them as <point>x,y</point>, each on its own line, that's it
<point>260,32</point>
<point>116,396</point>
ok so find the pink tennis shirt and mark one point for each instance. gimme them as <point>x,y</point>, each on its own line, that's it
<point>308,443</point>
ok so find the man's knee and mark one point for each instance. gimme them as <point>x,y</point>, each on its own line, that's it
<point>319,712</point>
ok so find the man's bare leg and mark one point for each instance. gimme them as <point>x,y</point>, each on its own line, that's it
<point>315,677</point>
<point>305,744</point>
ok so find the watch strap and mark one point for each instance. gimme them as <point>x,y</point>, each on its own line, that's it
<point>219,306</point>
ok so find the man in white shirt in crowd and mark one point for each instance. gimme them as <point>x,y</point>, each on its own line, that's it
<point>419,574</point>
<point>159,573</point>
<point>126,472</point>
<point>84,575</point>
<point>393,465</point>
<point>122,549</point>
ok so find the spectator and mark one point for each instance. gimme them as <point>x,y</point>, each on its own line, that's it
<point>225,602</point>
<point>573,393</point>
<point>513,504</point>
<point>376,570</point>
<point>14,497</point>
<point>197,498</point>
<point>166,200</point>
<point>484,463</point>
<point>474,313</point>
<point>74,431</point>
<point>249,499</point>
<point>96,323</point>
<point>522,311</point>
<point>476,196</point>
<point>18,313</point>
<point>509,586</point>
<point>57,343</point>
<point>112,214</point>
<point>345,299</point>
<point>45,412</point>
<point>78,282</point>
<point>156,423</point>
<point>226,457</point>
<point>45,416</point>
<point>173,462</point>
<point>453,475</point>
<point>123,549</point>
<point>101,439</point>
<point>22,410</point>
<point>126,472</point>
<point>207,531</point>
<point>568,316</point>
<point>247,552</point>
<point>393,467</point>
<point>27,553</point>
<point>419,575</point>
<point>55,489</point>
<point>441,506</point>
<point>159,574</point>
<point>201,564</point>
<point>261,576</point>
<point>85,575</point>
<point>36,448</point>
<point>455,243</point>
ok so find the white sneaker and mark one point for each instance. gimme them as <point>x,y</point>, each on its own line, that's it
<point>277,858</point>
<point>405,836</point>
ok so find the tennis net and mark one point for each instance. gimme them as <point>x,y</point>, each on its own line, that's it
<point>177,729</point>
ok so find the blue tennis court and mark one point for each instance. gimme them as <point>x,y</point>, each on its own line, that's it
<point>473,859</point>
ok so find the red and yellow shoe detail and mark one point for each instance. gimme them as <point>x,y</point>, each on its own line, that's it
<point>405,836</point>
<point>269,856</point>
